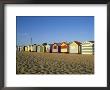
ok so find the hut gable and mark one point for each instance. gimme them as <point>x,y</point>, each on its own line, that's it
<point>64,45</point>
<point>78,43</point>
<point>91,41</point>
<point>54,46</point>
<point>87,43</point>
<point>75,44</point>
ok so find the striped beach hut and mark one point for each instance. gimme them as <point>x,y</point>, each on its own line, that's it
<point>87,47</point>
<point>56,47</point>
<point>64,47</point>
<point>75,47</point>
<point>33,48</point>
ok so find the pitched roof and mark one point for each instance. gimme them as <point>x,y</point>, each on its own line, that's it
<point>65,43</point>
<point>59,44</point>
<point>91,41</point>
<point>50,44</point>
<point>38,44</point>
<point>79,43</point>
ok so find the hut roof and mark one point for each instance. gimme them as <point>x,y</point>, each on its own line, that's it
<point>79,43</point>
<point>59,44</point>
<point>91,41</point>
<point>50,44</point>
<point>38,45</point>
<point>65,43</point>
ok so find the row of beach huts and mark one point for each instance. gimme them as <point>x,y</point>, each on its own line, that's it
<point>86,47</point>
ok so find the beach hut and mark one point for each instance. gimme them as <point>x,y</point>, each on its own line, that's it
<point>17,48</point>
<point>25,48</point>
<point>64,47</point>
<point>47,47</point>
<point>21,48</point>
<point>51,45</point>
<point>33,48</point>
<point>56,47</point>
<point>38,48</point>
<point>42,48</point>
<point>75,47</point>
<point>87,47</point>
<point>29,48</point>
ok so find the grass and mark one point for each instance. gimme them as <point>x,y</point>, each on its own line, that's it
<point>53,63</point>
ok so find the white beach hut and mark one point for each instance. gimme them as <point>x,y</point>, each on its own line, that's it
<point>38,48</point>
<point>29,48</point>
<point>42,48</point>
<point>33,48</point>
<point>17,48</point>
<point>56,47</point>
<point>25,48</point>
<point>21,48</point>
<point>75,47</point>
<point>47,48</point>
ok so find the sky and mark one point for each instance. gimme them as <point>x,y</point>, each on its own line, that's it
<point>53,29</point>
